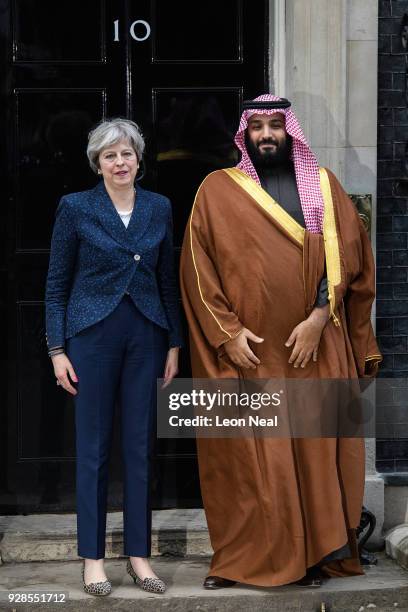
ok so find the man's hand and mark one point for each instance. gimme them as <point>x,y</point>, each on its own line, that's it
<point>306,337</point>
<point>239,351</point>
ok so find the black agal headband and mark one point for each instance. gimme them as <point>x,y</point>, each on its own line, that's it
<point>266,104</point>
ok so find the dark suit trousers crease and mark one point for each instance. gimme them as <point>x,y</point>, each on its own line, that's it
<point>118,360</point>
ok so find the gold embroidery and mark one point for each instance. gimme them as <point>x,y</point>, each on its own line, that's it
<point>272,207</point>
<point>371,362</point>
<point>331,243</point>
<point>196,269</point>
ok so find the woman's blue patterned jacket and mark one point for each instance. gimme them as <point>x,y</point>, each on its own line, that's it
<point>95,260</point>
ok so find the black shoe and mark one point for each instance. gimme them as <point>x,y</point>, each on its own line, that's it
<point>309,582</point>
<point>216,582</point>
<point>313,578</point>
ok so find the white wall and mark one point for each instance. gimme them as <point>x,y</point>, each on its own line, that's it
<point>328,68</point>
<point>324,59</point>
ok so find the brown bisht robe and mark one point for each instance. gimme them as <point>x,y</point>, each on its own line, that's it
<point>276,506</point>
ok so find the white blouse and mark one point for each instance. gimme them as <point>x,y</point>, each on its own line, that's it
<point>125,216</point>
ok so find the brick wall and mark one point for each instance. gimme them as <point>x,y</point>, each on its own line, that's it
<point>392,219</point>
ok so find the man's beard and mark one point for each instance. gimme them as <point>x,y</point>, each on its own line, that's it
<point>269,158</point>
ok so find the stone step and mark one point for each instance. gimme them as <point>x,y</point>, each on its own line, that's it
<point>52,537</point>
<point>383,588</point>
<point>396,544</point>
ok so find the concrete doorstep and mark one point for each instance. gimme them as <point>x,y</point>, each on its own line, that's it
<point>383,588</point>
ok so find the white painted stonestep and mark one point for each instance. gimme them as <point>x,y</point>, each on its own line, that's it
<point>52,537</point>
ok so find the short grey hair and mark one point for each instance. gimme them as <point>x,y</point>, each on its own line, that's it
<point>110,132</point>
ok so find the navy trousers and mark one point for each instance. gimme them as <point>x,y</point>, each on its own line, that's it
<point>116,360</point>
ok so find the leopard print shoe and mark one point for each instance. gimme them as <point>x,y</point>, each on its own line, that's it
<point>99,589</point>
<point>151,585</point>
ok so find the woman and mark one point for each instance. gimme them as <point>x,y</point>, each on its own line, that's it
<point>112,319</point>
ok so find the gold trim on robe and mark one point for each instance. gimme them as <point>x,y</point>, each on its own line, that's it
<point>377,358</point>
<point>196,269</point>
<point>331,243</point>
<point>294,229</point>
<point>270,205</point>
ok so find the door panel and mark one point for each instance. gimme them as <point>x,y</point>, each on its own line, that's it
<point>207,32</point>
<point>50,31</point>
<point>51,129</point>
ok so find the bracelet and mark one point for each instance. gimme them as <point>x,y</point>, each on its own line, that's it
<point>56,351</point>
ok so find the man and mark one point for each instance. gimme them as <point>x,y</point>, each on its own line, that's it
<point>277,280</point>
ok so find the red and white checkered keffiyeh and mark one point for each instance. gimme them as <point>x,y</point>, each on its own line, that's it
<point>305,163</point>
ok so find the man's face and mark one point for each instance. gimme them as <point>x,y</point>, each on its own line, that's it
<point>267,140</point>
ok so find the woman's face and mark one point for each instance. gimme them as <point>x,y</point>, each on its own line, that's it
<point>118,164</point>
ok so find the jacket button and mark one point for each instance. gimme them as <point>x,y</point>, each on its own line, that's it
<point>136,257</point>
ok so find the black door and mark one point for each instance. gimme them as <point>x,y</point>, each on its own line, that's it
<point>180,70</point>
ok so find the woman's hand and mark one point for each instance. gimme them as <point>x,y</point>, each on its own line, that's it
<point>63,367</point>
<point>171,368</point>
<point>306,337</point>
